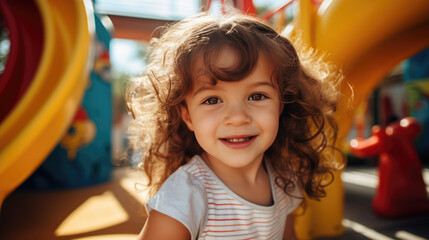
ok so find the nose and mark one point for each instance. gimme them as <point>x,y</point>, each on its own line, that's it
<point>237,114</point>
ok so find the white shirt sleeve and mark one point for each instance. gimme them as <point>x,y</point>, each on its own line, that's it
<point>182,197</point>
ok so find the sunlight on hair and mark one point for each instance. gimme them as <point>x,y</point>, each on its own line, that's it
<point>87,217</point>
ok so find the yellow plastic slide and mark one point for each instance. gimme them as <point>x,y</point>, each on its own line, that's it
<point>366,39</point>
<point>37,122</point>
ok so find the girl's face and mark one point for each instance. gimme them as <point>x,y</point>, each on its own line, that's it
<point>234,122</point>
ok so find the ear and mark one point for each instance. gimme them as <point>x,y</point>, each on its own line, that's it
<point>186,117</point>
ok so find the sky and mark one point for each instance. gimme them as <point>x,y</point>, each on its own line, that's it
<point>156,9</point>
<point>124,58</point>
<point>159,9</point>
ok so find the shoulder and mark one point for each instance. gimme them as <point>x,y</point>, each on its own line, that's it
<point>182,185</point>
<point>161,226</point>
<point>183,180</point>
<point>183,198</point>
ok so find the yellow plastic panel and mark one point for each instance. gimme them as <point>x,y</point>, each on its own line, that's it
<point>366,39</point>
<point>347,29</point>
<point>39,120</point>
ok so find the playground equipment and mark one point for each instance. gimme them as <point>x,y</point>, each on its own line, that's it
<point>26,37</point>
<point>365,39</point>
<point>83,155</point>
<point>37,121</point>
<point>401,189</point>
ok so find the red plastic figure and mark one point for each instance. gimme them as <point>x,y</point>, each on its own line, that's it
<point>401,189</point>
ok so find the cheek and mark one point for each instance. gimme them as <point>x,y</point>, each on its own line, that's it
<point>205,124</point>
<point>270,120</point>
<point>205,129</point>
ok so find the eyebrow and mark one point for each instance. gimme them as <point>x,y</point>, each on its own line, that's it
<point>205,86</point>
<point>264,83</point>
<point>208,86</point>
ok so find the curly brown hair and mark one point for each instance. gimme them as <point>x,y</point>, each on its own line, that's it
<point>306,125</point>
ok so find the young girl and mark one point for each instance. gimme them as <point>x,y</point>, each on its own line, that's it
<point>231,128</point>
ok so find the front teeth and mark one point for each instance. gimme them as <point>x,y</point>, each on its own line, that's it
<point>237,140</point>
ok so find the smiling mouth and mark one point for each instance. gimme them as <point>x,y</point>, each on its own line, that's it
<point>237,140</point>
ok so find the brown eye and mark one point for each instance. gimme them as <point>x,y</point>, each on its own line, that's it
<point>257,97</point>
<point>212,100</point>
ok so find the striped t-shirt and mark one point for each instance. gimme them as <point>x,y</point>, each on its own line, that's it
<point>198,199</point>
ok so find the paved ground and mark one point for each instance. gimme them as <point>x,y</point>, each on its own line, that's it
<point>108,211</point>
<point>362,223</point>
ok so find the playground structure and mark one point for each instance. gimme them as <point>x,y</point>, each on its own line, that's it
<point>46,106</point>
<point>365,39</point>
<point>401,190</point>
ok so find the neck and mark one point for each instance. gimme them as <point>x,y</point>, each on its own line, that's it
<point>251,183</point>
<point>248,175</point>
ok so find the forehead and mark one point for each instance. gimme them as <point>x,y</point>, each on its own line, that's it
<point>206,62</point>
<point>227,60</point>
<point>227,65</point>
